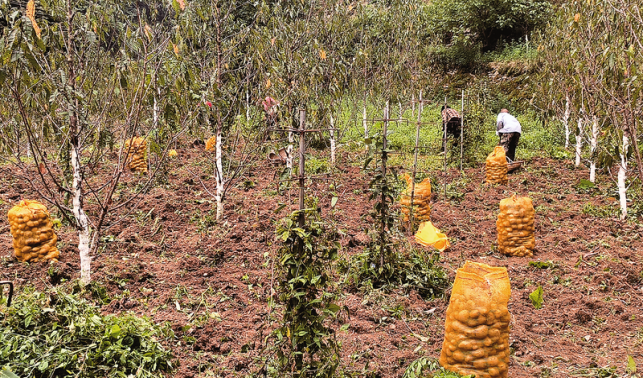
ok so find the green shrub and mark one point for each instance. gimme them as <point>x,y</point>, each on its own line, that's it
<point>60,334</point>
<point>429,368</point>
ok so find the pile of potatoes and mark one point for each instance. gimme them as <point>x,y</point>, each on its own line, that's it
<point>515,227</point>
<point>476,339</point>
<point>33,234</point>
<point>421,200</point>
<point>496,166</point>
<point>137,148</point>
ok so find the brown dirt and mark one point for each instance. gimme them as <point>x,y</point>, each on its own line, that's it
<point>211,281</point>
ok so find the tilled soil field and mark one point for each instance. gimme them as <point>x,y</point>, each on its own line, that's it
<point>171,261</point>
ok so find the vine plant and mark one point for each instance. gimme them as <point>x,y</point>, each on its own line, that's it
<point>306,346</point>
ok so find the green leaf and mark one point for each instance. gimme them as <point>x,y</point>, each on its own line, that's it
<point>542,264</point>
<point>115,331</point>
<point>586,184</point>
<point>536,298</point>
<point>333,202</point>
<point>279,208</point>
<point>631,365</point>
<point>6,373</point>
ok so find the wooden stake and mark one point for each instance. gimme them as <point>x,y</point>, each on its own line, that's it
<point>462,131</point>
<point>444,144</point>
<point>415,160</point>
<point>302,164</point>
<point>384,208</point>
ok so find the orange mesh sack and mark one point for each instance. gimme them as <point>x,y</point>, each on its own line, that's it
<point>421,200</point>
<point>211,143</point>
<point>32,230</point>
<point>137,148</point>
<point>476,339</point>
<point>515,227</point>
<point>497,166</point>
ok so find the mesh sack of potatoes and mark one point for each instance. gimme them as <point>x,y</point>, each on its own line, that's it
<point>476,339</point>
<point>211,143</point>
<point>496,167</point>
<point>34,238</point>
<point>137,150</point>
<point>421,200</point>
<point>515,227</point>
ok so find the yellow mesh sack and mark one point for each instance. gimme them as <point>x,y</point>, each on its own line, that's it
<point>137,148</point>
<point>515,227</point>
<point>211,143</point>
<point>430,236</point>
<point>421,200</point>
<point>496,167</point>
<point>34,238</point>
<point>476,339</point>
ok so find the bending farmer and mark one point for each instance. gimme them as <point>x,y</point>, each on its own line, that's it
<point>508,128</point>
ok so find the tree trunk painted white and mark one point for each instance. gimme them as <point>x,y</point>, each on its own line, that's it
<point>289,157</point>
<point>219,172</point>
<point>622,176</point>
<point>332,139</point>
<point>364,121</point>
<point>593,145</point>
<point>579,142</point>
<point>566,122</point>
<point>155,113</point>
<point>82,222</point>
<point>247,106</point>
<point>399,104</point>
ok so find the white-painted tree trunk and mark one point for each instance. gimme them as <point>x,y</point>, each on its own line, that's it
<point>622,176</point>
<point>219,173</point>
<point>289,157</point>
<point>593,146</point>
<point>566,122</point>
<point>247,106</point>
<point>82,222</point>
<point>399,104</point>
<point>579,142</point>
<point>332,139</point>
<point>155,109</point>
<point>364,121</point>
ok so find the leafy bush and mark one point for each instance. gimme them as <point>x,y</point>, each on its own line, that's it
<point>60,334</point>
<point>415,269</point>
<point>429,368</point>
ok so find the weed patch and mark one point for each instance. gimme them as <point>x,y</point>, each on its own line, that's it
<point>58,333</point>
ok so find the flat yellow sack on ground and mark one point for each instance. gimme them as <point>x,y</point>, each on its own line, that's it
<point>421,200</point>
<point>496,167</point>
<point>430,236</point>
<point>137,149</point>
<point>515,227</point>
<point>32,230</point>
<point>476,340</point>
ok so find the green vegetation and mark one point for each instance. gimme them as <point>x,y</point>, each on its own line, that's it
<point>60,333</point>
<point>304,340</point>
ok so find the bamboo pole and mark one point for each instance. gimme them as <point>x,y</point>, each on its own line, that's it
<point>415,160</point>
<point>384,208</point>
<point>462,130</point>
<point>302,164</point>
<point>444,145</point>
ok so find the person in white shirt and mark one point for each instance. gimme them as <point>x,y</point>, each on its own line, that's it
<point>509,130</point>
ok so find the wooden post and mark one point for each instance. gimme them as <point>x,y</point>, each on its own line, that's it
<point>462,130</point>
<point>415,160</point>
<point>384,208</point>
<point>444,145</point>
<point>302,164</point>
